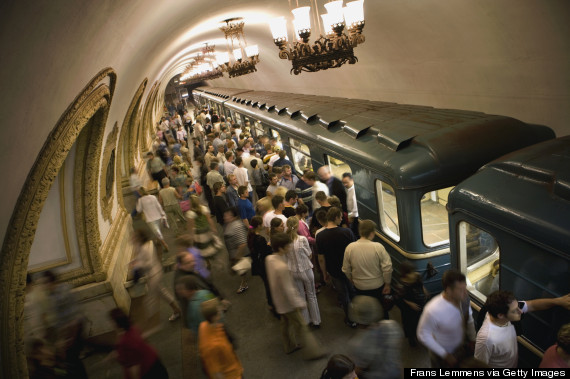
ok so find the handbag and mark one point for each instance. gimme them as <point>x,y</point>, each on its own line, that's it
<point>184,205</point>
<point>197,188</point>
<point>242,266</point>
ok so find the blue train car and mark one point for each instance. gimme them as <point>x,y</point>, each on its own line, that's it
<point>510,229</point>
<point>404,158</point>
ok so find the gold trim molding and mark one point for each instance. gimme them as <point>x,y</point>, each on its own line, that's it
<point>95,97</point>
<point>108,176</point>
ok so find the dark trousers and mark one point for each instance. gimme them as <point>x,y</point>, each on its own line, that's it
<point>376,293</point>
<point>158,176</point>
<point>354,227</point>
<point>344,291</point>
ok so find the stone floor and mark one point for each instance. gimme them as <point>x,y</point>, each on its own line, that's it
<point>257,334</point>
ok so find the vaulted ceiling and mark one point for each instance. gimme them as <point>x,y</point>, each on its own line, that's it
<point>508,57</point>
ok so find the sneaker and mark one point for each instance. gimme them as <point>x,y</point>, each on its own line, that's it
<point>174,317</point>
<point>350,323</point>
<point>242,289</point>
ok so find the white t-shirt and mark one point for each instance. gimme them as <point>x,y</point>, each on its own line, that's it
<point>440,327</point>
<point>497,345</point>
<point>270,216</point>
<point>242,177</point>
<point>319,186</point>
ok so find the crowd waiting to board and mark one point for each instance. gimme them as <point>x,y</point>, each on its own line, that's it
<point>221,185</point>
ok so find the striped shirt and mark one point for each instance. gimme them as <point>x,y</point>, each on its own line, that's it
<point>298,255</point>
<point>235,235</point>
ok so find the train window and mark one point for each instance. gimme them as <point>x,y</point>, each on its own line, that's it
<point>479,256</point>
<point>388,209</point>
<point>258,129</point>
<point>338,167</point>
<point>435,224</point>
<point>301,156</point>
<point>247,125</point>
<point>275,134</point>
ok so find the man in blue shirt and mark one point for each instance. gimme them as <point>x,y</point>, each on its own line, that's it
<point>246,210</point>
<point>282,161</point>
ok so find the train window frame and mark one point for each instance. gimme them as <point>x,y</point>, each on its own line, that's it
<point>293,143</point>
<point>378,186</point>
<point>430,197</point>
<point>479,266</point>
<point>258,129</point>
<point>328,160</point>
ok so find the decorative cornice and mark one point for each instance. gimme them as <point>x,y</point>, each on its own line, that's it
<point>96,95</point>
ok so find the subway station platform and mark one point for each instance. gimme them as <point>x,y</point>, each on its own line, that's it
<point>257,332</point>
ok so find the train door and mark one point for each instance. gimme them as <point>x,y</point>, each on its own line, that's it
<point>434,217</point>
<point>387,210</point>
<point>300,156</point>
<point>479,259</point>
<point>257,129</point>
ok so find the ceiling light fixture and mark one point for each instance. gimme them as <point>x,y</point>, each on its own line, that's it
<point>333,49</point>
<point>244,57</point>
<point>203,67</point>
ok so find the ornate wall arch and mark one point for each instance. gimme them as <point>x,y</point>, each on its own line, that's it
<point>94,99</point>
<point>108,173</point>
<point>148,124</point>
<point>128,137</point>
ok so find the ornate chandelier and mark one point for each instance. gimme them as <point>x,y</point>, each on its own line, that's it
<point>333,49</point>
<point>203,67</point>
<point>233,30</point>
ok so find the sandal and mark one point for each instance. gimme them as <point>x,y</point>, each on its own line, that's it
<point>242,289</point>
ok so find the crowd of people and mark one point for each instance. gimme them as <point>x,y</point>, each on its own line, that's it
<point>216,184</point>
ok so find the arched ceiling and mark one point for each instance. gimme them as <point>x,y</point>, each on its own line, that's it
<point>508,57</point>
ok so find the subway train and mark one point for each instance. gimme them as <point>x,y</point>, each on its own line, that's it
<point>417,174</point>
<point>510,229</point>
<point>404,158</point>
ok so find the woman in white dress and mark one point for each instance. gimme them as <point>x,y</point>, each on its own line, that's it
<point>301,268</point>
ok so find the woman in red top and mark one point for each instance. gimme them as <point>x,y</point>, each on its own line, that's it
<point>138,358</point>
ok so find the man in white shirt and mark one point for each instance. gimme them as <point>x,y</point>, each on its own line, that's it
<point>273,184</point>
<point>229,166</point>
<point>311,179</point>
<point>496,343</point>
<point>351,203</point>
<point>278,205</point>
<point>446,320</point>
<point>242,176</point>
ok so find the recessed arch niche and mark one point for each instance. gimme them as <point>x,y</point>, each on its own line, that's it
<point>148,125</point>
<point>129,144</point>
<point>88,112</point>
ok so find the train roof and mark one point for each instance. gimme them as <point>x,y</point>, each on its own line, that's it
<point>416,146</point>
<point>527,191</point>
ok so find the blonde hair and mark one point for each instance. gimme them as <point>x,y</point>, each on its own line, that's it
<point>196,204</point>
<point>292,227</point>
